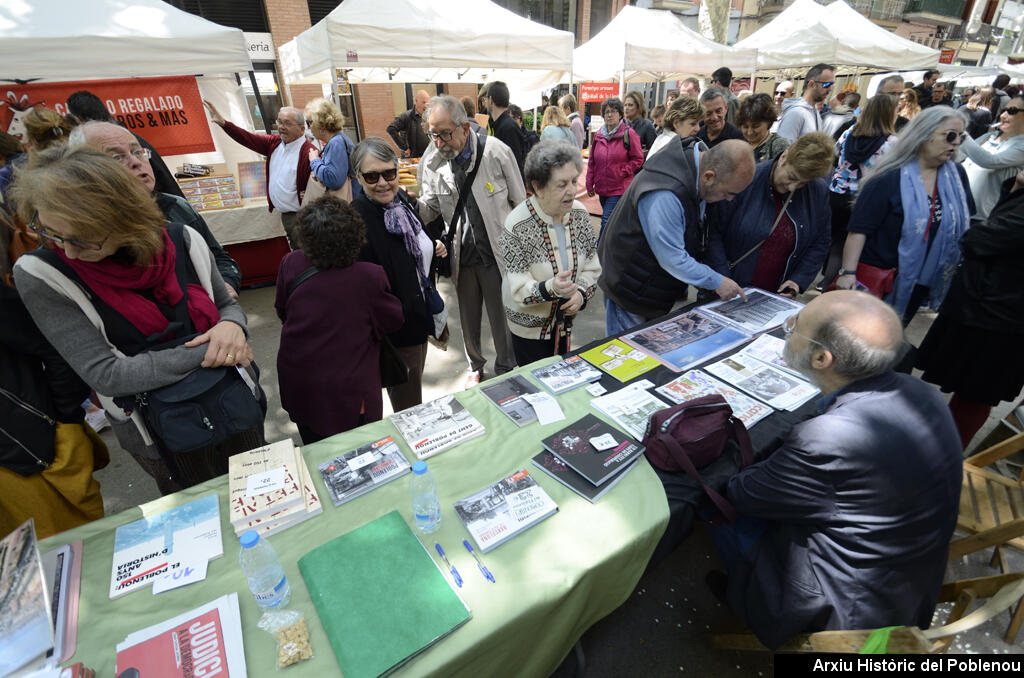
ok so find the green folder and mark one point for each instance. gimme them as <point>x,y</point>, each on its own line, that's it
<point>380,597</point>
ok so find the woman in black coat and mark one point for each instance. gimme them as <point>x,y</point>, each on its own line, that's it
<point>973,348</point>
<point>395,240</point>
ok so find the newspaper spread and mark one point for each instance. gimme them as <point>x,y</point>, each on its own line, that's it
<point>761,311</point>
<point>696,384</point>
<point>777,388</point>
<point>630,408</point>
<point>768,349</point>
<point>686,340</point>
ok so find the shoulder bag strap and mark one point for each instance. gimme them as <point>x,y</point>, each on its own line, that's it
<point>301,278</point>
<point>778,218</point>
<point>742,437</point>
<point>467,185</point>
<point>685,462</point>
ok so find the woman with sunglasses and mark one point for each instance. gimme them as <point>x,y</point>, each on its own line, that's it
<point>913,207</point>
<point>996,156</point>
<point>106,288</point>
<point>396,240</point>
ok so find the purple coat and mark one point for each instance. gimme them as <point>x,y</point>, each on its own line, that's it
<point>328,361</point>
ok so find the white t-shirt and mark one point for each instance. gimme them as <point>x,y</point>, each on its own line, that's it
<point>284,162</point>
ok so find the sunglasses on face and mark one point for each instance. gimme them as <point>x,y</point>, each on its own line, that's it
<point>826,85</point>
<point>957,137</point>
<point>1013,110</point>
<point>373,177</point>
<point>37,227</point>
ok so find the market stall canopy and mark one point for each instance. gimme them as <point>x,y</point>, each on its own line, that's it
<point>806,33</point>
<point>88,39</point>
<point>415,41</point>
<point>653,44</point>
<point>964,76</point>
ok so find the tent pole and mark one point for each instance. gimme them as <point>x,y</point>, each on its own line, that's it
<point>259,101</point>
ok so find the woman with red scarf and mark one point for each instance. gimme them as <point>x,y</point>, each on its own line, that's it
<point>106,289</point>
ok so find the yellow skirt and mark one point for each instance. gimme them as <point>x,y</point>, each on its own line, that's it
<point>63,496</point>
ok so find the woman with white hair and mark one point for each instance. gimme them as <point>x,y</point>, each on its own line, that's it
<point>912,209</point>
<point>331,167</point>
<point>550,254</point>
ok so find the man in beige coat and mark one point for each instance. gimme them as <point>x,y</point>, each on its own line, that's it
<point>496,190</point>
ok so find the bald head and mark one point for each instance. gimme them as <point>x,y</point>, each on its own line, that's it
<point>726,170</point>
<point>420,102</point>
<point>845,336</point>
<point>118,143</point>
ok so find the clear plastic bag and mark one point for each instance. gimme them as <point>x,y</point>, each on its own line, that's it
<point>289,629</point>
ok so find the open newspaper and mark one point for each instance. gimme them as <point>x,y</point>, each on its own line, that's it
<point>762,311</point>
<point>687,339</point>
<point>779,389</point>
<point>696,384</point>
<point>630,407</point>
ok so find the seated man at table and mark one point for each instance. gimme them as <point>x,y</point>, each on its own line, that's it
<point>847,524</point>
<point>775,234</point>
<point>120,144</point>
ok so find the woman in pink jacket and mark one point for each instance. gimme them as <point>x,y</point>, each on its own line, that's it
<point>615,156</point>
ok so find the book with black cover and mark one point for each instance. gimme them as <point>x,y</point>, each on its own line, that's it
<point>574,445</point>
<point>503,509</point>
<point>566,375</point>
<point>507,395</point>
<point>563,473</point>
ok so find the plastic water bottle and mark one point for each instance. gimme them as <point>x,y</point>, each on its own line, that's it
<point>426,507</point>
<point>266,578</point>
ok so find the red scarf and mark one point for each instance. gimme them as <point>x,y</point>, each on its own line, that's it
<point>116,283</point>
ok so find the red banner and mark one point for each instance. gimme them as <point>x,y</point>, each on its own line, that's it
<point>946,56</point>
<point>167,112</point>
<point>598,91</point>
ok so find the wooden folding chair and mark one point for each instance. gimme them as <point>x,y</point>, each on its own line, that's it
<point>992,512</point>
<point>1001,592</point>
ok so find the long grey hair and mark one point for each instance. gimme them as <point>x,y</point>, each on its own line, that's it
<point>911,138</point>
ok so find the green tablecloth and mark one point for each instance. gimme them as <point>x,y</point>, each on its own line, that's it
<point>553,581</point>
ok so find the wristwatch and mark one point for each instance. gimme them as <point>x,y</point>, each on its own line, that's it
<point>847,272</point>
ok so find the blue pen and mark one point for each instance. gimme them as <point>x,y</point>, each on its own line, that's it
<point>455,573</point>
<point>479,563</point>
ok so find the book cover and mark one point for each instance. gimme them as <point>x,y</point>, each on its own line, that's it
<point>779,389</point>
<point>206,641</point>
<point>563,473</point>
<point>593,449</point>
<point>500,511</point>
<point>761,311</point>
<point>686,340</point>
<point>148,548</point>
<point>360,470</point>
<point>245,508</point>
<point>293,515</point>
<point>620,360</point>
<point>696,384</point>
<point>380,596</point>
<point>26,628</point>
<point>630,407</point>
<point>434,427</point>
<point>507,395</point>
<point>566,375</point>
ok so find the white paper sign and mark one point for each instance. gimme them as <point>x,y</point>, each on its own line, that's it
<point>186,573</point>
<point>603,442</point>
<point>268,481</point>
<point>643,383</point>
<point>596,389</point>
<point>545,406</point>
<point>362,460</point>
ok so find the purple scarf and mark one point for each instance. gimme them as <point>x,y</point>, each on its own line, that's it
<point>399,219</point>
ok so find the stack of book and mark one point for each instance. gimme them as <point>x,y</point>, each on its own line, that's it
<point>431,428</point>
<point>503,509</point>
<point>270,489</point>
<point>363,469</point>
<point>589,457</point>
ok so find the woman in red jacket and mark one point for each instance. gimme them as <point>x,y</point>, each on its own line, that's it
<point>615,156</point>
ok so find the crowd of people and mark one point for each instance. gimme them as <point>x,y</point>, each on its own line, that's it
<point>114,284</point>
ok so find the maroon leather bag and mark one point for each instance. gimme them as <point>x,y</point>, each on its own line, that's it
<point>693,434</point>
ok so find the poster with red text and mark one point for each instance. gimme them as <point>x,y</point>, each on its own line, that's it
<point>168,111</point>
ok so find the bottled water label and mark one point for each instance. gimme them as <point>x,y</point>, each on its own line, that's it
<point>427,512</point>
<point>273,597</point>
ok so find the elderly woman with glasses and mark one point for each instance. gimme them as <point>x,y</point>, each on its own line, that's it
<point>913,207</point>
<point>996,156</point>
<point>550,254</point>
<point>396,240</point>
<point>104,292</point>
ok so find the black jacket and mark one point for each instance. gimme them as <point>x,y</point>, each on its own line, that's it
<point>389,252</point>
<point>644,129</point>
<point>407,131</point>
<point>988,290</point>
<point>508,130</point>
<point>178,211</point>
<point>37,389</point>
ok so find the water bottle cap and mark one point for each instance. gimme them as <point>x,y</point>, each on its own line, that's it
<point>249,539</point>
<point>419,468</point>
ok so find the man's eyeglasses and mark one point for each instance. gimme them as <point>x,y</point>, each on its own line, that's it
<point>1013,110</point>
<point>373,177</point>
<point>138,154</point>
<point>789,327</point>
<point>286,123</point>
<point>446,135</point>
<point>37,227</point>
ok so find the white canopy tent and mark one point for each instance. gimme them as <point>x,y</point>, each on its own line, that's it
<point>58,40</point>
<point>437,41</point>
<point>644,45</point>
<point>806,33</point>
<point>965,76</point>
